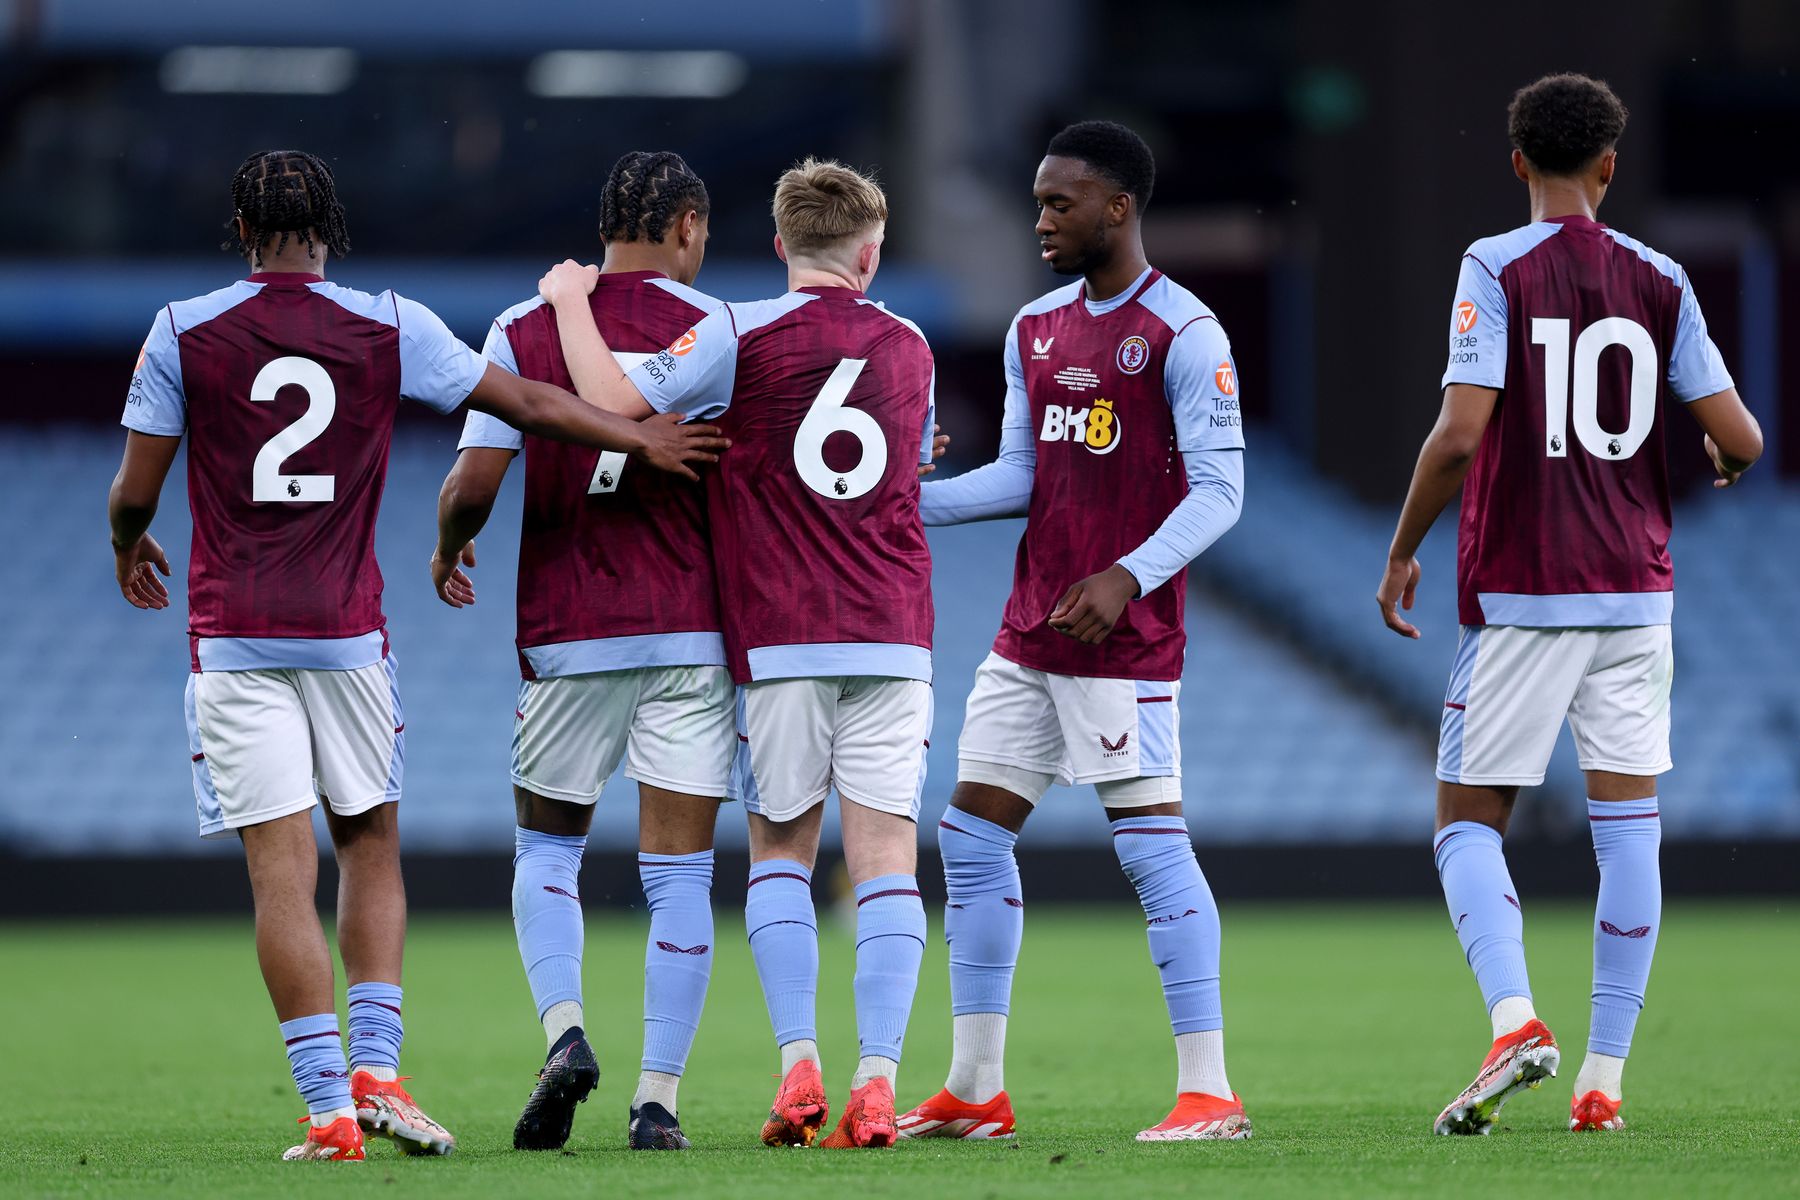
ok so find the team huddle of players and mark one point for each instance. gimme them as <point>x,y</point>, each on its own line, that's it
<point>724,583</point>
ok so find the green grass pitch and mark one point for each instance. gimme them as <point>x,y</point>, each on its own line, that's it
<point>140,1059</point>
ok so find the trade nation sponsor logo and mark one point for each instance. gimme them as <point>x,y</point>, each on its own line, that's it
<point>1466,313</point>
<point>684,343</point>
<point>1463,342</point>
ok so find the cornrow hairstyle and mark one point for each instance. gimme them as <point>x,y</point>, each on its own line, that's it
<point>646,191</point>
<point>1562,123</point>
<point>286,192</point>
<point>1114,151</point>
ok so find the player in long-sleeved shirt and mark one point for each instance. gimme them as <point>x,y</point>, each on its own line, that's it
<point>1565,340</point>
<point>1122,445</point>
<point>285,387</point>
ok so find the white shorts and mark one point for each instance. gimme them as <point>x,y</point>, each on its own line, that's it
<point>671,725</point>
<point>1511,686</point>
<point>268,743</point>
<point>1025,729</point>
<point>865,734</point>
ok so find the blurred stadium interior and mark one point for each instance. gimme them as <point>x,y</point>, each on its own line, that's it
<point>1319,175</point>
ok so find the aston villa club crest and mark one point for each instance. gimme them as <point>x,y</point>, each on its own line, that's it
<point>1134,352</point>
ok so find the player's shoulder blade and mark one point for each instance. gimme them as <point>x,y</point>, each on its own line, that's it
<point>1651,258</point>
<point>1494,254</point>
<point>186,315</point>
<point>519,311</point>
<point>688,295</point>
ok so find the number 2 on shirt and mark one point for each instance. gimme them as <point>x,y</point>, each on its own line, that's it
<point>267,483</point>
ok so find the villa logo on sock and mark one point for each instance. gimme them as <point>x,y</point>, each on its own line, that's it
<point>1171,917</point>
<point>334,1074</point>
<point>672,948</point>
<point>1639,932</point>
<point>1114,749</point>
<point>551,887</point>
<point>1513,902</point>
<point>1461,919</point>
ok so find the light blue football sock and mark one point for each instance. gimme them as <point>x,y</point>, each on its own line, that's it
<point>547,914</point>
<point>784,941</point>
<point>1627,837</point>
<point>890,942</point>
<point>1182,920</point>
<point>315,1053</point>
<point>984,913</point>
<point>376,1029</point>
<point>1484,908</point>
<point>678,955</point>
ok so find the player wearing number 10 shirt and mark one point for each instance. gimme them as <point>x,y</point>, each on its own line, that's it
<point>825,587</point>
<point>285,387</point>
<point>1565,339</point>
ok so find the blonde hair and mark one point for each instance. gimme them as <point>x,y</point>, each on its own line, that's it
<point>819,203</point>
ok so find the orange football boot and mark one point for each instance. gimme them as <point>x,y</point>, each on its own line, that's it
<point>1595,1110</point>
<point>1198,1117</point>
<point>340,1141</point>
<point>799,1109</point>
<point>868,1119</point>
<point>1521,1059</point>
<point>386,1108</point>
<point>946,1116</point>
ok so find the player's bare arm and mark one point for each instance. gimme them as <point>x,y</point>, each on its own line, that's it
<point>598,378</point>
<point>547,411</point>
<point>130,507</point>
<point>1443,462</point>
<point>464,504</point>
<point>1733,439</point>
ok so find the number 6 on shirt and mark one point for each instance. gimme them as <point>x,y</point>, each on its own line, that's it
<point>828,416</point>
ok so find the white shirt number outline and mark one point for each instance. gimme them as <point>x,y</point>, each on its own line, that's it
<point>828,416</point>
<point>611,466</point>
<point>267,483</point>
<point>1552,333</point>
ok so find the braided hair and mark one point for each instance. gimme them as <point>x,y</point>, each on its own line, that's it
<point>646,190</point>
<point>286,192</point>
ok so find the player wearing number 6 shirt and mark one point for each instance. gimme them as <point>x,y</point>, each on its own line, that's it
<point>286,387</point>
<point>620,648</point>
<point>1565,339</point>
<point>824,581</point>
<point>1121,443</point>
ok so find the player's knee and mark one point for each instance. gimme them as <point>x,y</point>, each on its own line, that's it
<point>560,818</point>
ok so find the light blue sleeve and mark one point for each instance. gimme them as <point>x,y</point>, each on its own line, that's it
<point>1200,380</point>
<point>695,376</point>
<point>156,404</point>
<point>436,369</point>
<point>1696,368</point>
<point>1214,500</point>
<point>1002,488</point>
<point>484,429</point>
<point>1477,328</point>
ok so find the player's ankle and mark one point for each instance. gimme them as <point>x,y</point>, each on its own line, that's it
<point>1603,1073</point>
<point>379,1074</point>
<point>561,1017</point>
<point>874,1066</point>
<point>798,1051</point>
<point>656,1087</point>
<point>321,1119</point>
<point>1510,1013</point>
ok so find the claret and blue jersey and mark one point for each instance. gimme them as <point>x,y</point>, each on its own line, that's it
<point>286,387</point>
<point>821,556</point>
<point>1566,509</point>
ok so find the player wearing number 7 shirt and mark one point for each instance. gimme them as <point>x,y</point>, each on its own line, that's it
<point>621,654</point>
<point>825,588</point>
<point>1565,338</point>
<point>286,387</point>
<point>1121,443</point>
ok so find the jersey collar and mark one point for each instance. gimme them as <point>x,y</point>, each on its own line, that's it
<point>1115,303</point>
<point>295,278</point>
<point>832,292</point>
<point>622,277</point>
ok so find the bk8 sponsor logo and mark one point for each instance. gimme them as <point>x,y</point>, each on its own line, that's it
<point>1096,427</point>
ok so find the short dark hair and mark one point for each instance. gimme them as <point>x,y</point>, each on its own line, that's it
<point>1112,150</point>
<point>289,192</point>
<point>1562,123</point>
<point>645,191</point>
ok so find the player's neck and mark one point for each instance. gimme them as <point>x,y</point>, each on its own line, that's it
<point>293,260</point>
<point>1107,281</point>
<point>1553,198</point>
<point>636,256</point>
<point>805,277</point>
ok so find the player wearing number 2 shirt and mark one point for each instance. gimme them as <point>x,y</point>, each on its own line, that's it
<point>825,586</point>
<point>1566,338</point>
<point>285,387</point>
